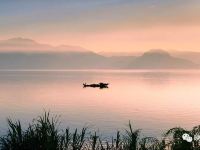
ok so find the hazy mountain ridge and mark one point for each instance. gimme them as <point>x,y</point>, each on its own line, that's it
<point>28,54</point>
<point>159,59</point>
<point>192,56</point>
<point>28,45</point>
<point>89,60</point>
<point>49,60</point>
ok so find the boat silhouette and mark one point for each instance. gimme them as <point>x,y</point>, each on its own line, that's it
<point>99,85</point>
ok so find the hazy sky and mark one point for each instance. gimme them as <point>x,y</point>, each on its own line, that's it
<point>105,25</point>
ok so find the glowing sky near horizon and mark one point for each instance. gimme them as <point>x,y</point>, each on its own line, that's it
<point>105,25</point>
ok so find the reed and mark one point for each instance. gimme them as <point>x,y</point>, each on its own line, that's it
<point>44,134</point>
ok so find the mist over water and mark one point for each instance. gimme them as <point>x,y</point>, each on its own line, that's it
<point>154,101</point>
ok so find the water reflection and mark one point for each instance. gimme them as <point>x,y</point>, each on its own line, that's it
<point>154,101</point>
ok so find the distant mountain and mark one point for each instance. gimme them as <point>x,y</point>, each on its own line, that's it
<point>188,55</point>
<point>22,44</point>
<point>160,59</point>
<point>21,53</point>
<point>119,62</point>
<point>26,45</point>
<point>51,60</point>
<point>90,60</point>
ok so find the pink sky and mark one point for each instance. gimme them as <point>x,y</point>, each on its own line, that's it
<point>109,26</point>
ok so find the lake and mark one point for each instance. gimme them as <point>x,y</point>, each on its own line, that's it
<point>153,101</point>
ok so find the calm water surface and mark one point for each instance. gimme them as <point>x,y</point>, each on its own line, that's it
<point>153,100</point>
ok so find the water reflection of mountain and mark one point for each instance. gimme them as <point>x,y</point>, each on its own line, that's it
<point>168,76</point>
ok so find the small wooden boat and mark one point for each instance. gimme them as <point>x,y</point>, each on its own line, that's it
<point>99,85</point>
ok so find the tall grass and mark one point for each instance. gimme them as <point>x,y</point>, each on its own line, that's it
<point>44,134</point>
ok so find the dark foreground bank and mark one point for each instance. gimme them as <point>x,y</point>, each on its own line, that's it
<point>43,134</point>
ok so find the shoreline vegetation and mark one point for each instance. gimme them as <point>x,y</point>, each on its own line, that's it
<point>43,134</point>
